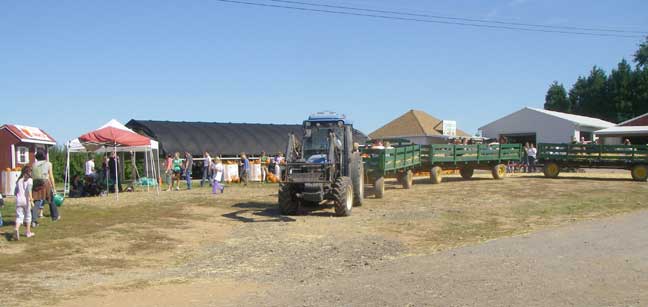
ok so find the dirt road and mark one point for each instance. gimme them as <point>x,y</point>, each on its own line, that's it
<point>597,263</point>
<point>236,250</point>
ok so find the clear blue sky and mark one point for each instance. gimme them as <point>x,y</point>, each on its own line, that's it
<point>70,66</point>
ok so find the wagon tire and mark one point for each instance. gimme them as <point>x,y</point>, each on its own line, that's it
<point>436,175</point>
<point>551,169</point>
<point>640,172</point>
<point>499,171</point>
<point>407,180</point>
<point>379,187</point>
<point>467,172</point>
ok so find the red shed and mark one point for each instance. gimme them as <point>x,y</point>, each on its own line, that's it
<point>18,146</point>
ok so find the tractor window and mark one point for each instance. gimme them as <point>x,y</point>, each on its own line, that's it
<point>316,140</point>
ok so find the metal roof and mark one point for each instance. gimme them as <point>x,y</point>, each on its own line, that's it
<point>577,119</point>
<point>623,130</point>
<point>227,139</point>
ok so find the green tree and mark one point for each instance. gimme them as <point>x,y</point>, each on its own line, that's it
<point>640,92</point>
<point>620,92</point>
<point>556,98</point>
<point>641,56</point>
<point>578,96</point>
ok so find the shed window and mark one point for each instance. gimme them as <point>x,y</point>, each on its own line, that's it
<point>22,155</point>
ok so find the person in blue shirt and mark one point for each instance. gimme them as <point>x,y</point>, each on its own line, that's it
<point>245,169</point>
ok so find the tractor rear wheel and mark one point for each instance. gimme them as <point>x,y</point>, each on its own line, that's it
<point>640,172</point>
<point>357,179</point>
<point>499,171</point>
<point>287,200</point>
<point>436,175</point>
<point>467,172</point>
<point>379,187</point>
<point>407,179</point>
<point>343,196</point>
<point>551,169</point>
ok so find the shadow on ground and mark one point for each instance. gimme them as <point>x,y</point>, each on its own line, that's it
<point>581,178</point>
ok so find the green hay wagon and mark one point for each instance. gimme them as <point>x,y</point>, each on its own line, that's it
<point>554,157</point>
<point>397,162</point>
<point>467,158</point>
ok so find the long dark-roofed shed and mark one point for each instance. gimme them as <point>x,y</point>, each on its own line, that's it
<point>227,139</point>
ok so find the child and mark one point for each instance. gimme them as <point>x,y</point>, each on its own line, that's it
<point>217,170</point>
<point>1,206</point>
<point>24,201</point>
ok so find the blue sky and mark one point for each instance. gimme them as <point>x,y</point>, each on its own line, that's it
<point>70,66</point>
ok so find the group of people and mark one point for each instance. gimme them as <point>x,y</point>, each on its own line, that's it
<point>178,168</point>
<point>34,187</point>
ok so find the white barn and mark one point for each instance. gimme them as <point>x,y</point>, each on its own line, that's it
<point>543,126</point>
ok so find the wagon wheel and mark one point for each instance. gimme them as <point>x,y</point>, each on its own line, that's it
<point>436,175</point>
<point>551,169</point>
<point>379,187</point>
<point>467,172</point>
<point>640,172</point>
<point>407,179</point>
<point>499,171</point>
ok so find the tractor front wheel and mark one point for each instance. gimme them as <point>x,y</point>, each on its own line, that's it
<point>343,196</point>
<point>357,179</point>
<point>640,172</point>
<point>287,200</point>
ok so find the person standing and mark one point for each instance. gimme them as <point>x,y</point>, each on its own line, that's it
<point>177,170</point>
<point>24,201</point>
<point>525,158</point>
<point>43,187</point>
<point>168,171</point>
<point>188,165</point>
<point>279,161</point>
<point>217,169</point>
<point>90,167</point>
<point>113,166</point>
<point>531,154</point>
<point>245,169</point>
<point>205,169</point>
<point>264,167</point>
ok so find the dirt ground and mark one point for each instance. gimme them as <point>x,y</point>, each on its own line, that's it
<point>194,248</point>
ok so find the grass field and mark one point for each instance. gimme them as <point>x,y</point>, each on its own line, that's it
<point>141,240</point>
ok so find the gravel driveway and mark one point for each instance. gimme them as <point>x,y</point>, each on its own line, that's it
<point>597,263</point>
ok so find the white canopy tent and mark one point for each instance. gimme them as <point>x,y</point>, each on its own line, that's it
<point>150,150</point>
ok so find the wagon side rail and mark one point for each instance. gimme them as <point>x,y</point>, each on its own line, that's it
<point>593,153</point>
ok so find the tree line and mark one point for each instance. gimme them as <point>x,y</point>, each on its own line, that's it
<point>618,96</point>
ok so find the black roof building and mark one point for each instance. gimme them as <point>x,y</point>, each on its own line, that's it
<point>227,139</point>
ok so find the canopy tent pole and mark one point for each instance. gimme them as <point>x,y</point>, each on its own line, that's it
<point>146,168</point>
<point>158,175</point>
<point>67,170</point>
<point>116,173</point>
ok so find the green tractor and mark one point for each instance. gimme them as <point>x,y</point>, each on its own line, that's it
<point>324,168</point>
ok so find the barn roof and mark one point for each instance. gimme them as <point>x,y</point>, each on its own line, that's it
<point>577,119</point>
<point>412,123</point>
<point>28,134</point>
<point>226,139</point>
<point>631,122</point>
